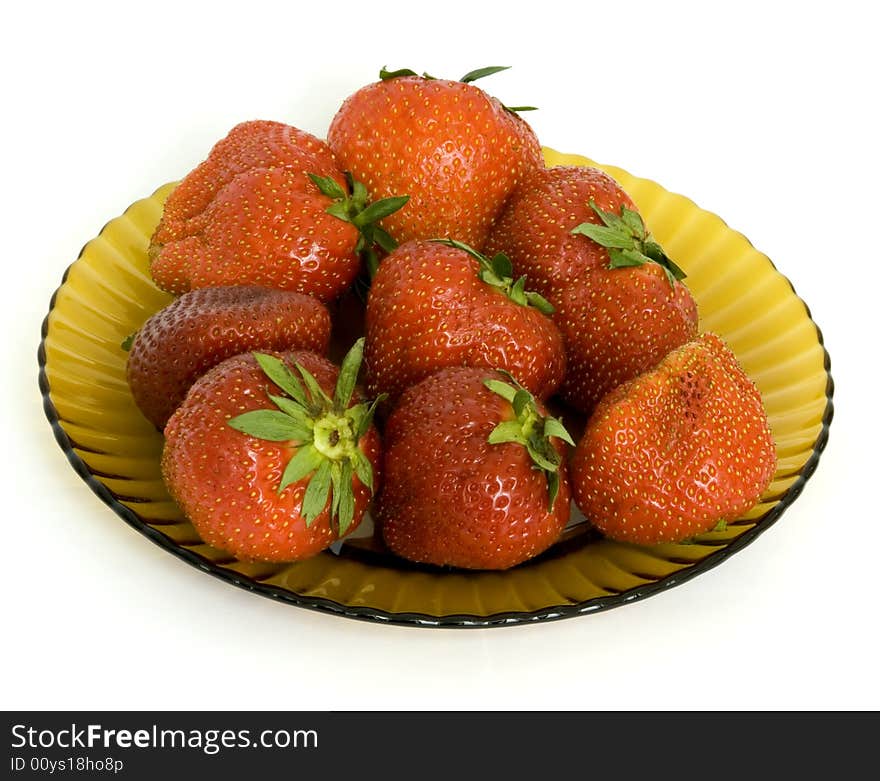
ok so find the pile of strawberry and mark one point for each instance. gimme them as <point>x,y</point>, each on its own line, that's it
<point>498,292</point>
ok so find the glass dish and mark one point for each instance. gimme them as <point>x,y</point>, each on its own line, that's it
<point>107,293</point>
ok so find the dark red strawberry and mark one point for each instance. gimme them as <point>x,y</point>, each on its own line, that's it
<point>535,228</point>
<point>181,342</point>
<point>621,319</point>
<point>475,474</point>
<point>455,150</point>
<point>267,460</point>
<point>434,304</point>
<point>268,207</point>
<point>677,450</point>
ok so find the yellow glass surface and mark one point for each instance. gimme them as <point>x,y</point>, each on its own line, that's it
<point>107,294</point>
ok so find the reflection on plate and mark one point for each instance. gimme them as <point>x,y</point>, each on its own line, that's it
<point>107,294</point>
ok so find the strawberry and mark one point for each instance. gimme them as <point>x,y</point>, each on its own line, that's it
<point>535,228</point>
<point>181,342</point>
<point>268,207</point>
<point>440,303</point>
<point>249,145</point>
<point>267,460</point>
<point>621,320</point>
<point>457,151</point>
<point>676,451</point>
<point>475,474</point>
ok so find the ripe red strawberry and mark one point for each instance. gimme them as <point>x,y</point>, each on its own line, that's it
<point>621,320</point>
<point>268,207</point>
<point>249,145</point>
<point>434,304</point>
<point>535,228</point>
<point>675,451</point>
<point>475,474</point>
<point>458,152</point>
<point>181,342</point>
<point>264,463</point>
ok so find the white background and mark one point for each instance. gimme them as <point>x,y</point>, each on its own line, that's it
<point>762,113</point>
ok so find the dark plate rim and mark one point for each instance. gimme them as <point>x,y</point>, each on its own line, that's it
<point>512,618</point>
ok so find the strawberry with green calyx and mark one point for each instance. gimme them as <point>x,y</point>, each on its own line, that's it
<point>196,331</point>
<point>267,220</point>
<point>621,319</point>
<point>676,451</point>
<point>440,303</point>
<point>474,473</point>
<point>273,456</point>
<point>455,150</point>
<point>535,227</point>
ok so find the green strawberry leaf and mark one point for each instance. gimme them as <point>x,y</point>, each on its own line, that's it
<point>517,109</point>
<point>277,371</point>
<point>517,292</point>
<point>539,302</point>
<point>384,239</point>
<point>319,397</point>
<point>633,221</point>
<point>294,409</point>
<point>624,258</point>
<point>348,374</point>
<point>363,468</point>
<point>359,194</point>
<point>305,461</point>
<point>501,265</point>
<point>344,499</point>
<point>507,431</point>
<point>541,455</point>
<point>379,210</point>
<point>554,428</point>
<point>521,400</point>
<point>385,74</point>
<point>328,186</point>
<point>271,425</point>
<point>481,73</point>
<point>610,219</point>
<point>317,492</point>
<point>507,392</point>
<point>128,341</point>
<point>605,235</point>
